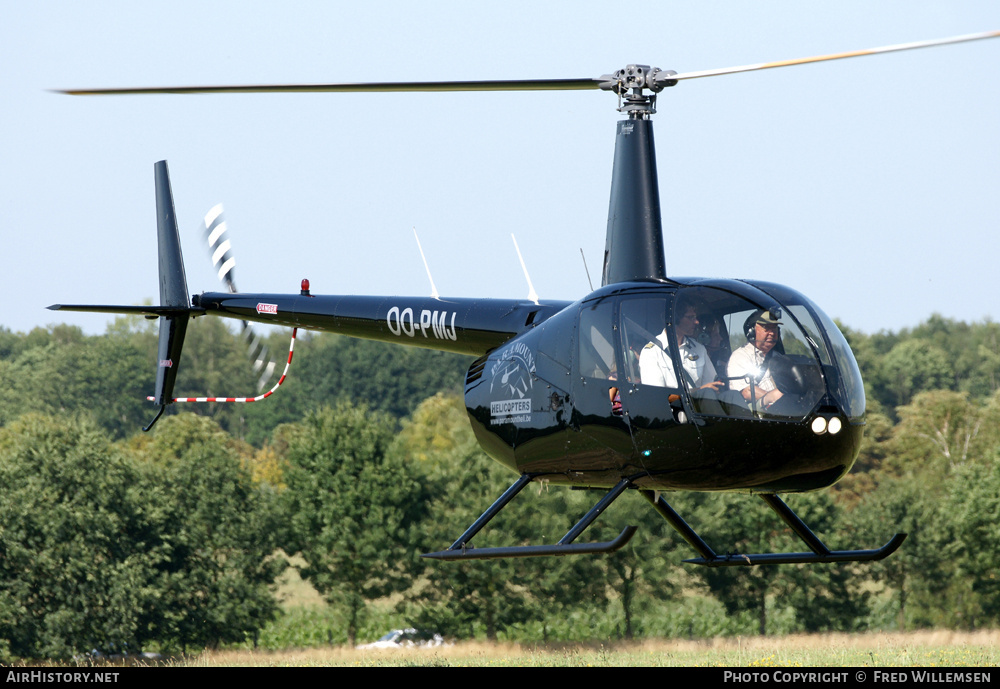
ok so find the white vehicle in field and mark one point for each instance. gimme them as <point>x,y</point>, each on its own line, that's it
<point>407,638</point>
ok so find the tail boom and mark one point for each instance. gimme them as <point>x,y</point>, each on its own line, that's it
<point>462,326</point>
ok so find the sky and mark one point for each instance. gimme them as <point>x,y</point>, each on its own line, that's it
<point>868,184</point>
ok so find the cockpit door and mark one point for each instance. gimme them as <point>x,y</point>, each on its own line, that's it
<point>604,441</point>
<point>655,406</point>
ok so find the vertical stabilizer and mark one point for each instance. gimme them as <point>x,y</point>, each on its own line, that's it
<point>173,288</point>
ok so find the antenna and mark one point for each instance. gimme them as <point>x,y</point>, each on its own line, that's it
<point>532,294</point>
<point>434,290</point>
<point>589,281</point>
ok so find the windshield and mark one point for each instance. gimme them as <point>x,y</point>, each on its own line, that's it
<point>737,350</point>
<point>844,376</point>
<point>746,356</point>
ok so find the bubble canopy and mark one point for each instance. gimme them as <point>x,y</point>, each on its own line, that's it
<point>809,361</point>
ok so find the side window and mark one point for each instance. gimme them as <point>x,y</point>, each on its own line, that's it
<point>555,349</point>
<point>597,349</point>
<point>598,391</point>
<point>645,344</point>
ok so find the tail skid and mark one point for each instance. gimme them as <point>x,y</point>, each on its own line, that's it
<point>258,398</point>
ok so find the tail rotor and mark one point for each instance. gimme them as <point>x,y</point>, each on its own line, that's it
<point>217,237</point>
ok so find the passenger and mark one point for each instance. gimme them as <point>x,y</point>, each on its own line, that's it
<point>749,370</point>
<point>614,394</point>
<point>657,368</point>
<point>715,337</point>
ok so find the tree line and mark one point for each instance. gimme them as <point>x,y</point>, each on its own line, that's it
<point>114,539</point>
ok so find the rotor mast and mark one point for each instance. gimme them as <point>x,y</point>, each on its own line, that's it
<point>634,247</point>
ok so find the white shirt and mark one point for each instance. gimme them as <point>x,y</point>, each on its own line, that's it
<point>657,368</point>
<point>748,360</point>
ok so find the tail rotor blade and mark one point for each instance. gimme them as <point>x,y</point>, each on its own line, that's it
<point>219,247</point>
<point>260,356</point>
<point>216,234</point>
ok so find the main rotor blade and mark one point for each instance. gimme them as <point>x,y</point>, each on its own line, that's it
<point>607,82</point>
<point>428,86</point>
<point>836,56</point>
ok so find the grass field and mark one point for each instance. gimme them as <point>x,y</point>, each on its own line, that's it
<point>919,649</point>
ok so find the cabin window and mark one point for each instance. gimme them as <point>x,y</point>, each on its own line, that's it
<point>557,337</point>
<point>645,342</point>
<point>765,363</point>
<point>597,349</point>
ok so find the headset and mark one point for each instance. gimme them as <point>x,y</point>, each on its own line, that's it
<point>749,325</point>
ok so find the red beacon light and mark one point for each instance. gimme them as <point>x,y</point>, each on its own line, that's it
<point>305,288</point>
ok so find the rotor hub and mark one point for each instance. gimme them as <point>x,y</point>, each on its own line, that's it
<point>631,82</point>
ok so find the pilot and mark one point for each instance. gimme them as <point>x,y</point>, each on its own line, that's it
<point>749,372</point>
<point>657,368</point>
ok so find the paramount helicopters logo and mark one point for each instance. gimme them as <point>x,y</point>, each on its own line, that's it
<point>511,377</point>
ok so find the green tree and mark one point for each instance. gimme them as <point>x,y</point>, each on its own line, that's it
<point>875,449</point>
<point>820,595</point>
<point>869,361</point>
<point>214,533</point>
<point>648,570</point>
<point>74,572</point>
<point>914,366</point>
<point>935,455</point>
<point>477,597</point>
<point>974,508</point>
<point>11,343</point>
<point>215,363</point>
<point>938,431</point>
<point>351,507</point>
<point>328,369</point>
<point>902,505</point>
<point>106,378</point>
<point>100,550</point>
<point>985,378</point>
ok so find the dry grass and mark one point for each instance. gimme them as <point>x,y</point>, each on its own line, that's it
<point>924,649</point>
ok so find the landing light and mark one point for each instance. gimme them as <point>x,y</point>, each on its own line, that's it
<point>819,425</point>
<point>835,425</point>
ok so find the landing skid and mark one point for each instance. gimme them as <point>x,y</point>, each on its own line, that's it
<point>461,550</point>
<point>820,553</point>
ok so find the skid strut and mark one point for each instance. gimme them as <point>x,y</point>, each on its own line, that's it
<point>461,550</point>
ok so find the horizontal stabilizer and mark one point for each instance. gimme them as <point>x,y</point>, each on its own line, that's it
<point>148,311</point>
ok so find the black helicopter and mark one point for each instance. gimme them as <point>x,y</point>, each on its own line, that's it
<point>640,384</point>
